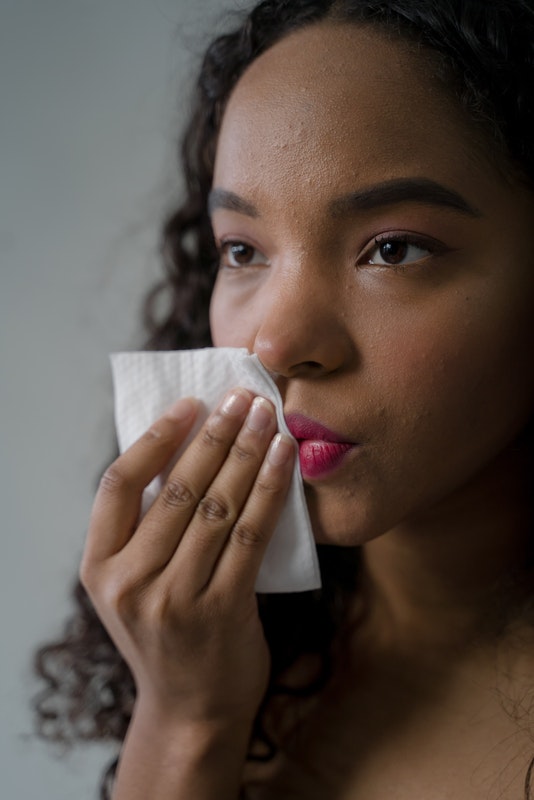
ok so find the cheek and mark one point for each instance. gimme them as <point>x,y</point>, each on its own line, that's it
<point>229,326</point>
<point>466,382</point>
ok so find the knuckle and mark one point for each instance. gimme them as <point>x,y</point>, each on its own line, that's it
<point>267,486</point>
<point>107,588</point>
<point>212,438</point>
<point>176,494</point>
<point>116,593</point>
<point>153,436</point>
<point>213,509</point>
<point>215,608</point>
<point>158,609</point>
<point>159,435</point>
<point>247,535</point>
<point>122,597</point>
<point>241,453</point>
<point>113,481</point>
<point>166,610</point>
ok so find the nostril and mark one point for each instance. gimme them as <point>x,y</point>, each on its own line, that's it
<point>307,367</point>
<point>307,350</point>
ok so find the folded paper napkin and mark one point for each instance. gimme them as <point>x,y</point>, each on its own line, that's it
<point>147,383</point>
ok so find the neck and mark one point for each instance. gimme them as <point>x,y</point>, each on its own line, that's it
<point>439,578</point>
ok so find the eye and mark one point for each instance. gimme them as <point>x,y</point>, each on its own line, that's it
<point>397,250</point>
<point>234,254</point>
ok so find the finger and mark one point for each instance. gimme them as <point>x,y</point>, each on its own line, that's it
<point>118,500</point>
<point>160,532</point>
<point>241,559</point>
<point>223,501</point>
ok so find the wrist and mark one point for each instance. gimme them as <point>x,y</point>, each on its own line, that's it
<point>177,758</point>
<point>192,718</point>
<point>200,738</point>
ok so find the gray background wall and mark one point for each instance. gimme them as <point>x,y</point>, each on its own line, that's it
<point>89,109</point>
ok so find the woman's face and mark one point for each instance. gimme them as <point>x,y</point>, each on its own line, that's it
<point>382,269</point>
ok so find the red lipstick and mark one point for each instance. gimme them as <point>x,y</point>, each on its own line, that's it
<point>321,451</point>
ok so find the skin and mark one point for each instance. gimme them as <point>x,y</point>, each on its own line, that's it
<point>176,592</point>
<point>427,367</point>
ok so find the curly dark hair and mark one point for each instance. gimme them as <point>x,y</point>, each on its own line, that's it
<point>483,53</point>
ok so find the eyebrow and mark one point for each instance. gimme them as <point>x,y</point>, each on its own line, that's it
<point>387,193</point>
<point>221,198</point>
<point>403,190</point>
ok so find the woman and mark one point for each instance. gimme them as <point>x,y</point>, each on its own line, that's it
<point>359,214</point>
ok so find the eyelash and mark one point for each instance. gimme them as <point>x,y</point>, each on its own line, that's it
<point>224,247</point>
<point>430,246</point>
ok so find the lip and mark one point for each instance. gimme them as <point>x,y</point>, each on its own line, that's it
<point>321,450</point>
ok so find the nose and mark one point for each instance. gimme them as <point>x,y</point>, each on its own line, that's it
<point>300,328</point>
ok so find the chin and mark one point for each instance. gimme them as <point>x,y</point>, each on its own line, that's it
<point>336,527</point>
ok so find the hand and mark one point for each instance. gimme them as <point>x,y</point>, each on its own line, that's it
<point>176,592</point>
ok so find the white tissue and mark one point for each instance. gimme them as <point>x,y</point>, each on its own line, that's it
<point>147,383</point>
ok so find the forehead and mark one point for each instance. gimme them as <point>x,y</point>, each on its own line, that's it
<point>337,105</point>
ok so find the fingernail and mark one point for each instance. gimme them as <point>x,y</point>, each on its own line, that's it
<point>281,450</point>
<point>260,415</point>
<point>235,404</point>
<point>184,408</point>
